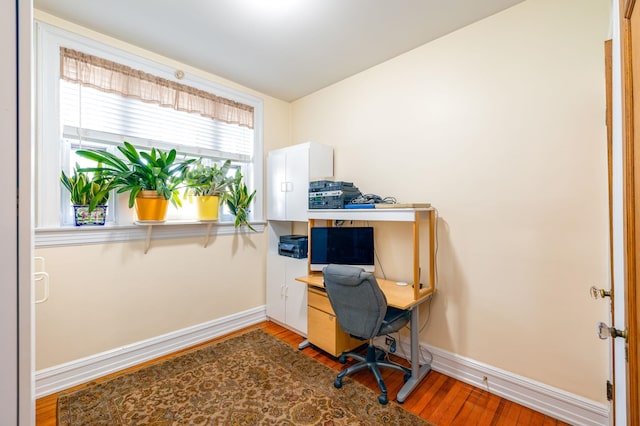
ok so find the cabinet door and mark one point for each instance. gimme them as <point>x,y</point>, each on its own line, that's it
<point>276,287</point>
<point>276,185</point>
<point>296,295</point>
<point>297,177</point>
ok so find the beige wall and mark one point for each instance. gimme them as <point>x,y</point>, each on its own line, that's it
<point>501,127</point>
<point>107,296</point>
<point>104,296</point>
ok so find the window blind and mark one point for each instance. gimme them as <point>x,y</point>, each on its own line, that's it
<point>88,113</point>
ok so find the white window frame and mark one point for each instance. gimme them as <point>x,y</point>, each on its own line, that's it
<point>48,229</point>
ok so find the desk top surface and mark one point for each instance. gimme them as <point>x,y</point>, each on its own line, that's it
<point>398,296</point>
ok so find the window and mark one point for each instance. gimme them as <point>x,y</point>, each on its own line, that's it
<point>73,116</point>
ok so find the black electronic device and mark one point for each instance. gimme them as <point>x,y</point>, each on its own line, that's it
<point>330,185</point>
<point>345,245</point>
<point>326,194</point>
<point>295,246</point>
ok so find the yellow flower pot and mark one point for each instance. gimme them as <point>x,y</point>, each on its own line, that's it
<point>151,206</point>
<point>208,206</point>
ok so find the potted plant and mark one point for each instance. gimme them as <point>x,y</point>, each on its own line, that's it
<point>206,184</point>
<point>89,195</point>
<point>238,200</point>
<point>151,178</point>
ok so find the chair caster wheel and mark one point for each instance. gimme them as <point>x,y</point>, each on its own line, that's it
<point>342,359</point>
<point>337,383</point>
<point>382,399</point>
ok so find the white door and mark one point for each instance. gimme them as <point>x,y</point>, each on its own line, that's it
<point>616,199</point>
<point>625,209</point>
<point>16,357</point>
<point>8,262</point>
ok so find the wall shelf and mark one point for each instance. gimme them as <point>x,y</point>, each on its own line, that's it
<point>151,223</point>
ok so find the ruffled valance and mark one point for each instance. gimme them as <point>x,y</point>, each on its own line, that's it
<point>112,77</point>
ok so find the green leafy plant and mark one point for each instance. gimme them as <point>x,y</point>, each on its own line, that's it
<point>87,189</point>
<point>238,200</point>
<point>207,180</point>
<point>141,171</point>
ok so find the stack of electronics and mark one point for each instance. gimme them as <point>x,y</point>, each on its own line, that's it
<point>295,246</point>
<point>326,194</point>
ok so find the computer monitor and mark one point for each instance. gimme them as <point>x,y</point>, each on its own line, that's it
<point>346,245</point>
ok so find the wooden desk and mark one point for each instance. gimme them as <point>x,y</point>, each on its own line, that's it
<point>401,297</point>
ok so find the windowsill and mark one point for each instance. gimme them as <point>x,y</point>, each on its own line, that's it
<point>83,235</point>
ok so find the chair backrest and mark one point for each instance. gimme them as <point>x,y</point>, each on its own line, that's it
<point>356,298</point>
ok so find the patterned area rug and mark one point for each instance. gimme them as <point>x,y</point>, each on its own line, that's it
<point>250,379</point>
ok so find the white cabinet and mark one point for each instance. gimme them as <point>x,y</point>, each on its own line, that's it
<point>289,171</point>
<point>286,297</point>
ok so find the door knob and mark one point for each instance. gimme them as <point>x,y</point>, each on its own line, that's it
<point>599,292</point>
<point>604,332</point>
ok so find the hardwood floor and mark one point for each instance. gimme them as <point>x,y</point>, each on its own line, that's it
<point>438,398</point>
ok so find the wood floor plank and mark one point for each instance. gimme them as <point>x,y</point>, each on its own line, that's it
<point>511,416</point>
<point>493,410</point>
<point>525,417</point>
<point>451,404</point>
<point>427,389</point>
<point>439,399</point>
<point>479,401</point>
<point>536,418</point>
<point>465,415</point>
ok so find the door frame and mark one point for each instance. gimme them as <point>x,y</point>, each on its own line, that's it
<point>630,68</point>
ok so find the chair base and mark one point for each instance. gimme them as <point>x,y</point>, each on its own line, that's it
<point>373,361</point>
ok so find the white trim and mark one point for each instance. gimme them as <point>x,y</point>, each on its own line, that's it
<point>49,134</point>
<point>540,397</point>
<point>73,236</point>
<point>55,379</point>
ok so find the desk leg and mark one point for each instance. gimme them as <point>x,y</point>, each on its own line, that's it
<point>417,371</point>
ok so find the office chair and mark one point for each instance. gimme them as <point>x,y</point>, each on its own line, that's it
<point>361,309</point>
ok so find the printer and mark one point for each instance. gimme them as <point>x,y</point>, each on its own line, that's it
<point>295,246</point>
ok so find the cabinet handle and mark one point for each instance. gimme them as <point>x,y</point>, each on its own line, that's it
<point>44,277</point>
<point>283,186</point>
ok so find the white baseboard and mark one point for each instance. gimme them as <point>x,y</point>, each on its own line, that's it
<point>559,404</point>
<point>64,376</point>
<point>556,403</point>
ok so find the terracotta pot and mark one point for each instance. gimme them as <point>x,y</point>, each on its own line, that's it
<point>208,206</point>
<point>151,206</point>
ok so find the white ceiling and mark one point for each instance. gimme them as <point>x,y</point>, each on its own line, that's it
<point>283,48</point>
